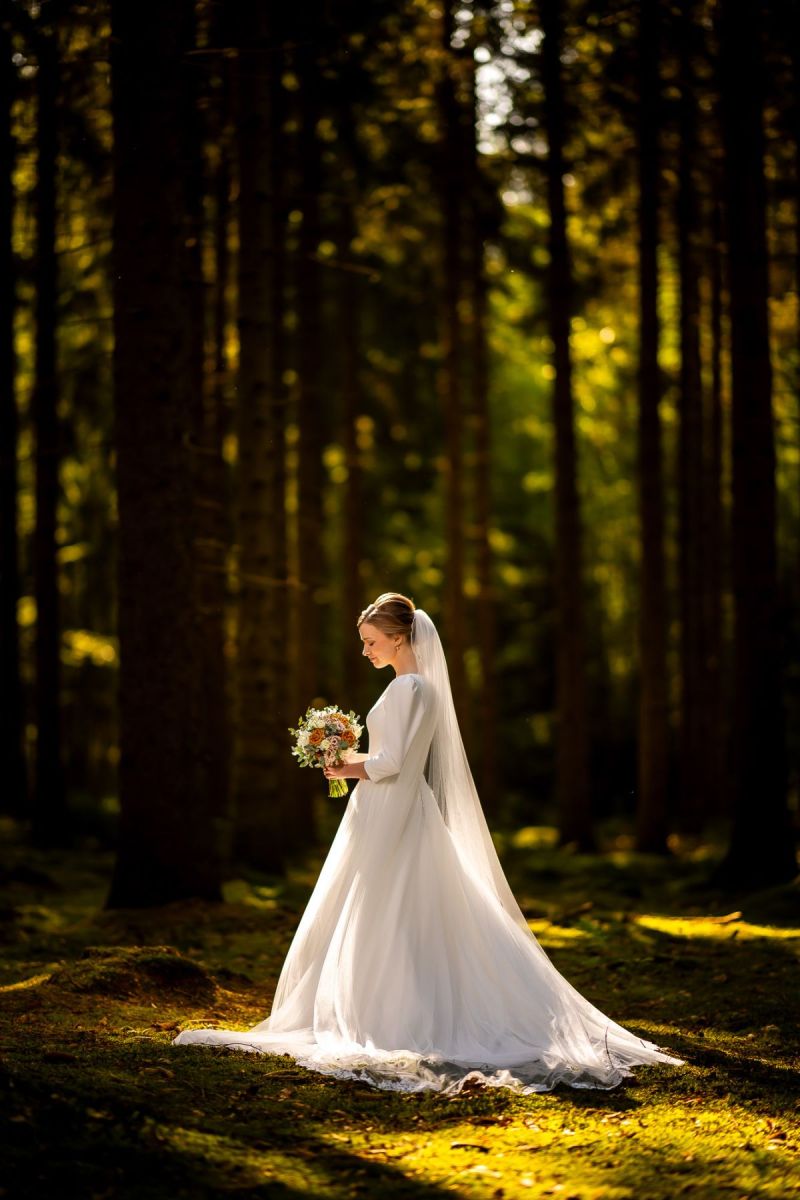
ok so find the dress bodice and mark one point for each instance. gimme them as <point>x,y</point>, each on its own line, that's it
<point>400,726</point>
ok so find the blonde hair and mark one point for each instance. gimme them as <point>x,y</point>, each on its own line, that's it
<point>392,613</point>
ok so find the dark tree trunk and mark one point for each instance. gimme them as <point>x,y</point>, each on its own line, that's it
<point>262,825</point>
<point>694,733</point>
<point>653,739</point>
<point>212,540</point>
<point>12,710</point>
<point>449,374</point>
<point>795,52</point>
<point>169,843</point>
<point>310,412</point>
<point>487,704</point>
<point>351,285</point>
<point>49,807</point>
<point>715,537</point>
<point>572,749</point>
<point>311,416</point>
<point>762,849</point>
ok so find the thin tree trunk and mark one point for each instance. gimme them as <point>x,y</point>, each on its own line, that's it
<point>12,711</point>
<point>49,808</point>
<point>652,768</point>
<point>795,52</point>
<point>262,837</point>
<point>694,781</point>
<point>352,285</point>
<point>449,375</point>
<point>169,844</point>
<point>310,415</point>
<point>572,750</point>
<point>715,537</point>
<point>487,707</point>
<point>762,847</point>
<point>211,515</point>
<point>299,818</point>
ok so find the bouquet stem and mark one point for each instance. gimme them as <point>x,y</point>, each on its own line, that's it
<point>337,787</point>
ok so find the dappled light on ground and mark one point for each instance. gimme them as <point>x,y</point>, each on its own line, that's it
<point>90,1001</point>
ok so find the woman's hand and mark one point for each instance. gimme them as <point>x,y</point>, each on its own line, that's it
<point>341,772</point>
<point>346,771</point>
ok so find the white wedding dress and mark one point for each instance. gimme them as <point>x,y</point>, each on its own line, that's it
<point>410,970</point>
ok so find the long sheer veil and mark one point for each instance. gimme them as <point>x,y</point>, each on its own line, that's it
<point>449,775</point>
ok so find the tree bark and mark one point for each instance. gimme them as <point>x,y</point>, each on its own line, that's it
<point>487,704</point>
<point>169,841</point>
<point>449,374</point>
<point>761,849</point>
<point>310,410</point>
<point>652,766</point>
<point>13,767</point>
<point>695,781</point>
<point>263,824</point>
<point>351,289</point>
<point>715,538</point>
<point>212,540</point>
<point>49,802</point>
<point>572,735</point>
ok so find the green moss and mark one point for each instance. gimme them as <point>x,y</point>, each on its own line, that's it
<point>152,972</point>
<point>95,1101</point>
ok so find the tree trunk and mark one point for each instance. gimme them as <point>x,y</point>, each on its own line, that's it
<point>262,825</point>
<point>487,707</point>
<point>693,740</point>
<point>572,749</point>
<point>351,288</point>
<point>12,709</point>
<point>210,495</point>
<point>762,847</point>
<point>449,374</point>
<point>49,807</point>
<point>715,537</point>
<point>310,414</point>
<point>652,768</point>
<point>169,843</point>
<point>795,53</point>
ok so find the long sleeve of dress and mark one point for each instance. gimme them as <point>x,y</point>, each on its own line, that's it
<point>405,708</point>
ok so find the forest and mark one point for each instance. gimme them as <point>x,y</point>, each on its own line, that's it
<point>493,303</point>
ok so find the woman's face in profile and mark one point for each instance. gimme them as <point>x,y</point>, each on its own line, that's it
<point>378,647</point>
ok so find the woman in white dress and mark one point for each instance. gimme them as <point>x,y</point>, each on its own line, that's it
<point>413,966</point>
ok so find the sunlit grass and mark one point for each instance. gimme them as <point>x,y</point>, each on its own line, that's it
<point>86,1054</point>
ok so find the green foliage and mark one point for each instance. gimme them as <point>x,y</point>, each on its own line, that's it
<point>87,1063</point>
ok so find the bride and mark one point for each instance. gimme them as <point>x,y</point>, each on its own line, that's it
<point>413,966</point>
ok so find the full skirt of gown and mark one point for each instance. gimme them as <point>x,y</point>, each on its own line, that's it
<point>407,972</point>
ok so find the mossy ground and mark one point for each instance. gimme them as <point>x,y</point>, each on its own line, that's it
<point>96,1103</point>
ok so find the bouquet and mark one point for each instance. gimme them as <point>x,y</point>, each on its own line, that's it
<point>323,737</point>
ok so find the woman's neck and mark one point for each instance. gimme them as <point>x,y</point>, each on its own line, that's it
<point>406,664</point>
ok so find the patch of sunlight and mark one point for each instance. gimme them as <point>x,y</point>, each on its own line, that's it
<point>534,837</point>
<point>556,935</point>
<point>239,891</point>
<point>230,448</point>
<point>34,981</point>
<point>26,610</point>
<point>78,645</point>
<point>511,575</point>
<point>500,541</point>
<point>709,927</point>
<point>537,481</point>
<point>541,727</point>
<point>218,1154</point>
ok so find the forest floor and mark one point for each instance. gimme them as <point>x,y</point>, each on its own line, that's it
<point>96,1103</point>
